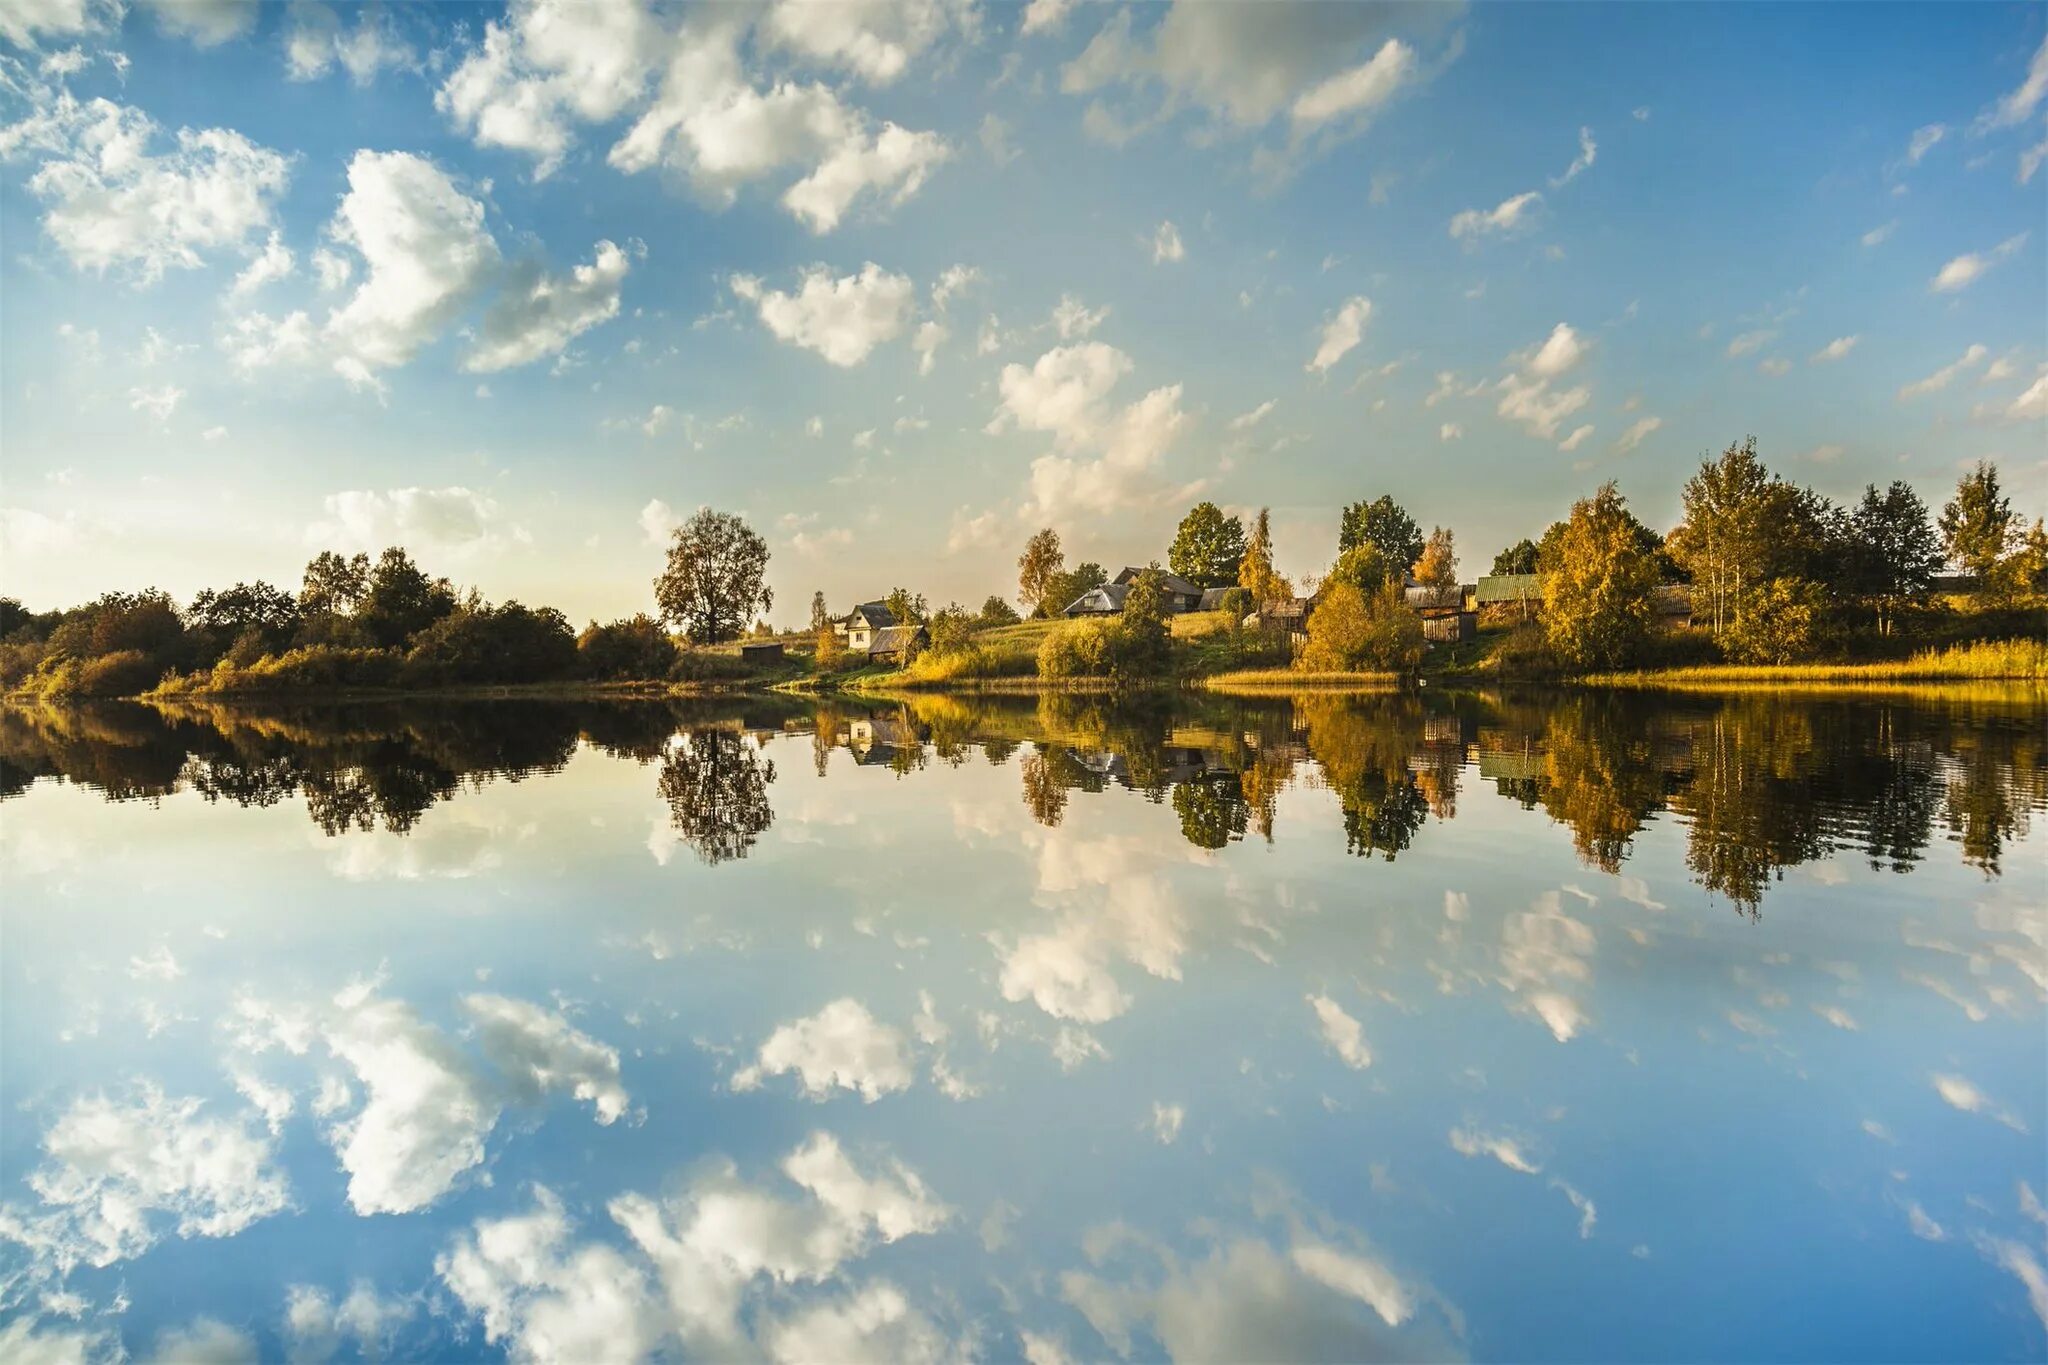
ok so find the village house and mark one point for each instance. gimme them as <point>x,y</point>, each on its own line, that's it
<point>1108,600</point>
<point>872,629</point>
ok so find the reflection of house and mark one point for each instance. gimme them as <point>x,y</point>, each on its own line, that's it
<point>1108,600</point>
<point>878,739</point>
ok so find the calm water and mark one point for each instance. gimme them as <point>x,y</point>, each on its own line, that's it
<point>1492,1027</point>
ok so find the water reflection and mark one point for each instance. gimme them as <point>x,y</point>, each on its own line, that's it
<point>1049,1028</point>
<point>1760,783</point>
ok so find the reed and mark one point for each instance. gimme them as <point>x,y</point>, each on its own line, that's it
<point>1989,660</point>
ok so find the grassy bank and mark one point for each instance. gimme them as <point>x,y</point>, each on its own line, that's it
<point>1989,661</point>
<point>1268,681</point>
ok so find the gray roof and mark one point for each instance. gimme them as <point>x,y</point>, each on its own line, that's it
<point>1112,595</point>
<point>1172,582</point>
<point>1212,598</point>
<point>872,613</point>
<point>895,639</point>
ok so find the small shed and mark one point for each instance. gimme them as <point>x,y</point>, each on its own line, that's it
<point>1673,603</point>
<point>890,642</point>
<point>1107,600</point>
<point>761,652</point>
<point>1451,628</point>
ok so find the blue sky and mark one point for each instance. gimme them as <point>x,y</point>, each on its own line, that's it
<point>902,282</point>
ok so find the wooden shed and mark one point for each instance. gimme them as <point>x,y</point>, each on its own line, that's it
<point>762,652</point>
<point>1451,628</point>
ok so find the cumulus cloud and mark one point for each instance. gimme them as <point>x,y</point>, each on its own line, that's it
<point>111,202</point>
<point>205,23</point>
<point>1946,375</point>
<point>1967,269</point>
<point>1072,318</point>
<point>1342,332</point>
<point>1545,963</point>
<point>1468,1140</point>
<point>713,125</point>
<point>1343,1033</point>
<point>27,21</point>
<point>541,1053</point>
<point>273,263</point>
<point>317,1327</point>
<point>876,40</point>
<point>1106,457</point>
<point>315,43</point>
<point>536,314</point>
<point>1166,244</point>
<point>1536,407</point>
<point>1358,91</point>
<point>118,1174</point>
<point>1504,219</point>
<point>659,522</point>
<point>453,520</point>
<point>842,319</point>
<point>843,1047</point>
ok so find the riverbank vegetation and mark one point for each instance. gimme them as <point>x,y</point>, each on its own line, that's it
<point>1759,574</point>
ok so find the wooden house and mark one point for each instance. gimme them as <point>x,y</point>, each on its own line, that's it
<point>1451,627</point>
<point>857,628</point>
<point>1181,595</point>
<point>888,644</point>
<point>761,652</point>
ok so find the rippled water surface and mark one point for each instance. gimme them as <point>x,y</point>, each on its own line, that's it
<point>1481,1026</point>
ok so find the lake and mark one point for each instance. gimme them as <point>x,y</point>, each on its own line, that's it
<point>1557,1026</point>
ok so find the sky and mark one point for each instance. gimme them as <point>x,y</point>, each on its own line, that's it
<point>522,287</point>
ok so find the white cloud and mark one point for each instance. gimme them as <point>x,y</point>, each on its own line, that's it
<point>1166,1122</point>
<point>273,263</point>
<point>1588,151</point>
<point>842,1046</point>
<point>925,341</point>
<point>1341,332</point>
<point>1503,219</point>
<point>2031,159</point>
<point>1943,377</point>
<point>547,65</point>
<point>1576,439</point>
<point>1106,458</point>
<point>111,202</point>
<point>204,1341</point>
<point>1834,350</point>
<point>1748,343</point>
<point>1072,318</point>
<point>972,532</point>
<point>1967,269</point>
<point>453,520</point>
<point>1638,431</point>
<point>1879,233</point>
<point>1959,1092</point>
<point>22,22</point>
<point>1361,90</point>
<point>2017,106</point>
<point>315,42</point>
<point>317,1327</point>
<point>1245,421</point>
<point>541,1053</point>
<point>1923,141</point>
<point>1045,16</point>
<point>1166,244</point>
<point>1450,431</point>
<point>876,40</point>
<point>841,319</point>
<point>1343,1033</point>
<point>117,1174</point>
<point>2032,404</point>
<point>1470,1141</point>
<point>1559,354</point>
<point>536,314</point>
<point>1545,959</point>
<point>659,522</point>
<point>159,402</point>
<point>874,1324</point>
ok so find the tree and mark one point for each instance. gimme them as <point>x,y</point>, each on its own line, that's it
<point>400,600</point>
<point>1041,563</point>
<point>264,615</point>
<point>1362,566</point>
<point>1436,568</point>
<point>1518,558</point>
<point>1386,526</point>
<point>634,648</point>
<point>1744,527</point>
<point>907,607</point>
<point>1897,550</point>
<point>2026,568</point>
<point>821,615</point>
<point>333,585</point>
<point>1144,622</point>
<point>509,643</point>
<point>952,627</point>
<point>1977,525</point>
<point>1208,547</point>
<point>1349,631</point>
<point>1062,588</point>
<point>997,611</point>
<point>1596,585</point>
<point>1782,622</point>
<point>715,578</point>
<point>1255,572</point>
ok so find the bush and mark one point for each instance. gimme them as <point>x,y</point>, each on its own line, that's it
<point>19,660</point>
<point>632,649</point>
<point>1236,603</point>
<point>708,665</point>
<point>503,644</point>
<point>1780,623</point>
<point>1100,648</point>
<point>1350,632</point>
<point>308,667</point>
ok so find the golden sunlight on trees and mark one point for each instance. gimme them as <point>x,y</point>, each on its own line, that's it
<point>1596,589</point>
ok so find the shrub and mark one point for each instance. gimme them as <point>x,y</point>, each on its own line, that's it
<point>1100,648</point>
<point>1780,623</point>
<point>503,644</point>
<point>1349,631</point>
<point>1236,603</point>
<point>634,648</point>
<point>124,673</point>
<point>708,665</point>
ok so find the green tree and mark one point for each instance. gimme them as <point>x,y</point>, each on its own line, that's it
<point>1350,631</point>
<point>1518,558</point>
<point>1596,584</point>
<point>1897,548</point>
<point>636,648</point>
<point>333,585</point>
<point>1208,547</point>
<point>1062,588</point>
<point>1977,525</point>
<point>1255,572</point>
<point>1383,523</point>
<point>256,615</point>
<point>1038,568</point>
<point>1782,622</point>
<point>1722,543</point>
<point>821,615</point>
<point>715,577</point>
<point>997,611</point>
<point>1144,623</point>
<point>907,607</point>
<point>1363,567</point>
<point>400,600</point>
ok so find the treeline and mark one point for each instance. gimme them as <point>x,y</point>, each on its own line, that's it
<point>353,623</point>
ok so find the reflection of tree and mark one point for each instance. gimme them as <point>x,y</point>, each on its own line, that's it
<point>1600,778</point>
<point>1363,749</point>
<point>716,785</point>
<point>998,750</point>
<point>1750,803</point>
<point>1211,808</point>
<point>393,784</point>
<point>1044,793</point>
<point>1260,785</point>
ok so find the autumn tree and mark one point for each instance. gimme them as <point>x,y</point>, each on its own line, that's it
<point>1596,586</point>
<point>907,607</point>
<point>1977,525</point>
<point>1041,563</point>
<point>997,611</point>
<point>715,577</point>
<point>1362,566</point>
<point>1897,550</point>
<point>1350,630</point>
<point>1255,572</point>
<point>1208,547</point>
<point>1436,568</point>
<point>1383,523</point>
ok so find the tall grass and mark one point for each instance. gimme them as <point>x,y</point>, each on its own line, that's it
<point>1297,680</point>
<point>2024,660</point>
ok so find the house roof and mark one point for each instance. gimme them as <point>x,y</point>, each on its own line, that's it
<point>1112,595</point>
<point>1507,587</point>
<point>894,639</point>
<point>872,613</point>
<point>1212,598</point>
<point>1172,582</point>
